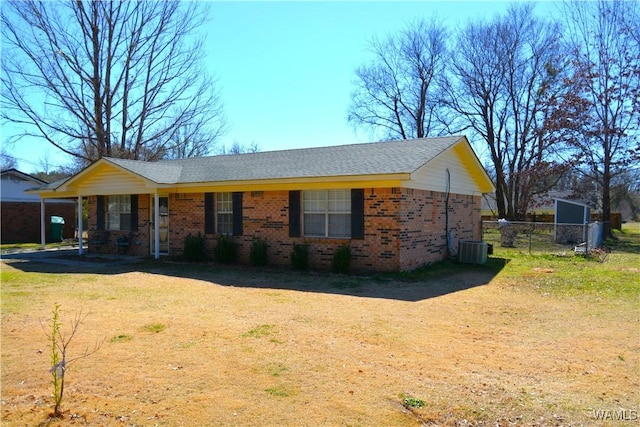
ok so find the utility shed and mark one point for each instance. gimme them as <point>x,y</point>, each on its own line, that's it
<point>571,220</point>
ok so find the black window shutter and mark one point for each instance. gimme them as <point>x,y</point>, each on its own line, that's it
<point>357,213</point>
<point>209,223</point>
<point>237,213</point>
<point>134,212</point>
<point>294,213</point>
<point>100,212</point>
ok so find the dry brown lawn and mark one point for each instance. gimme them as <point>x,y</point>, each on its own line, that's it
<point>202,346</point>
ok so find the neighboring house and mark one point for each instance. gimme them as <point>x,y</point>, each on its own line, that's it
<point>21,212</point>
<point>387,200</point>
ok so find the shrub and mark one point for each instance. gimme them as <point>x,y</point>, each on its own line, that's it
<point>300,256</point>
<point>225,250</point>
<point>194,248</point>
<point>341,260</point>
<point>258,252</point>
<point>413,402</point>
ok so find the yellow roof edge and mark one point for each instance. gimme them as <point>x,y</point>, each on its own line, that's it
<point>348,181</point>
<point>470,160</point>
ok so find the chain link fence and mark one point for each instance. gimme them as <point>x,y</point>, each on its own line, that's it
<point>542,236</point>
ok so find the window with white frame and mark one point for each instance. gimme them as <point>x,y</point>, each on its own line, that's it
<point>326,213</point>
<point>224,213</point>
<point>118,212</point>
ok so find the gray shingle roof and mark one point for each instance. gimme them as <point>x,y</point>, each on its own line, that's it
<point>391,157</point>
<point>161,172</point>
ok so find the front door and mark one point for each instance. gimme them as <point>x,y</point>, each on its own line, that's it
<point>163,204</point>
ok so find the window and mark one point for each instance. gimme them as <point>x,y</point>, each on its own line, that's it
<point>224,213</point>
<point>326,213</point>
<point>118,212</point>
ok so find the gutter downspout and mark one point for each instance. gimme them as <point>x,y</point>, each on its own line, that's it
<point>446,213</point>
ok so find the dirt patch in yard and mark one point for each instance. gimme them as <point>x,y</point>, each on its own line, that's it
<point>201,346</point>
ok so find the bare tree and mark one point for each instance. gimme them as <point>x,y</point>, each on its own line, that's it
<point>397,94</point>
<point>503,74</point>
<point>238,148</point>
<point>189,141</point>
<point>605,50</point>
<point>7,161</point>
<point>109,78</point>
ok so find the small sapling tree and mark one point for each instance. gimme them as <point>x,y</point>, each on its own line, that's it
<point>59,361</point>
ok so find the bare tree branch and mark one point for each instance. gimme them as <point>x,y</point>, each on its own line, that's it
<point>118,78</point>
<point>397,93</point>
<point>503,73</point>
<point>605,86</point>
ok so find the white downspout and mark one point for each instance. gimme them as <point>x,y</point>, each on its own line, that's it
<point>80,230</point>
<point>156,225</point>
<point>43,234</point>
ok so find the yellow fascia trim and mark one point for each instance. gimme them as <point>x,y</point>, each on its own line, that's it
<point>311,183</point>
<point>473,166</point>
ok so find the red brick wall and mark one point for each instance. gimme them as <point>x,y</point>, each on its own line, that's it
<point>21,221</point>
<point>424,225</point>
<point>186,216</point>
<point>266,215</point>
<point>404,228</point>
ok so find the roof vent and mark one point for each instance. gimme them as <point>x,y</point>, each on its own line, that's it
<point>472,251</point>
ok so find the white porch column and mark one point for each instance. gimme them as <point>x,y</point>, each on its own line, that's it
<point>80,230</point>
<point>43,232</point>
<point>156,225</point>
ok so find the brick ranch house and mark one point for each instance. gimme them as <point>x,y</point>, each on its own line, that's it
<point>399,205</point>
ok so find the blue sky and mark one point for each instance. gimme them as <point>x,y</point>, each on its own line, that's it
<point>285,69</point>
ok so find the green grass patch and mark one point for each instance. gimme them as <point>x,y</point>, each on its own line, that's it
<point>18,285</point>
<point>121,338</point>
<point>16,247</point>
<point>626,240</point>
<point>259,331</point>
<point>277,369</point>
<point>612,276</point>
<point>609,273</point>
<point>155,327</point>
<point>279,391</point>
<point>29,280</point>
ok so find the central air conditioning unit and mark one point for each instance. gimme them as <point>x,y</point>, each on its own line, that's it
<point>472,251</point>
